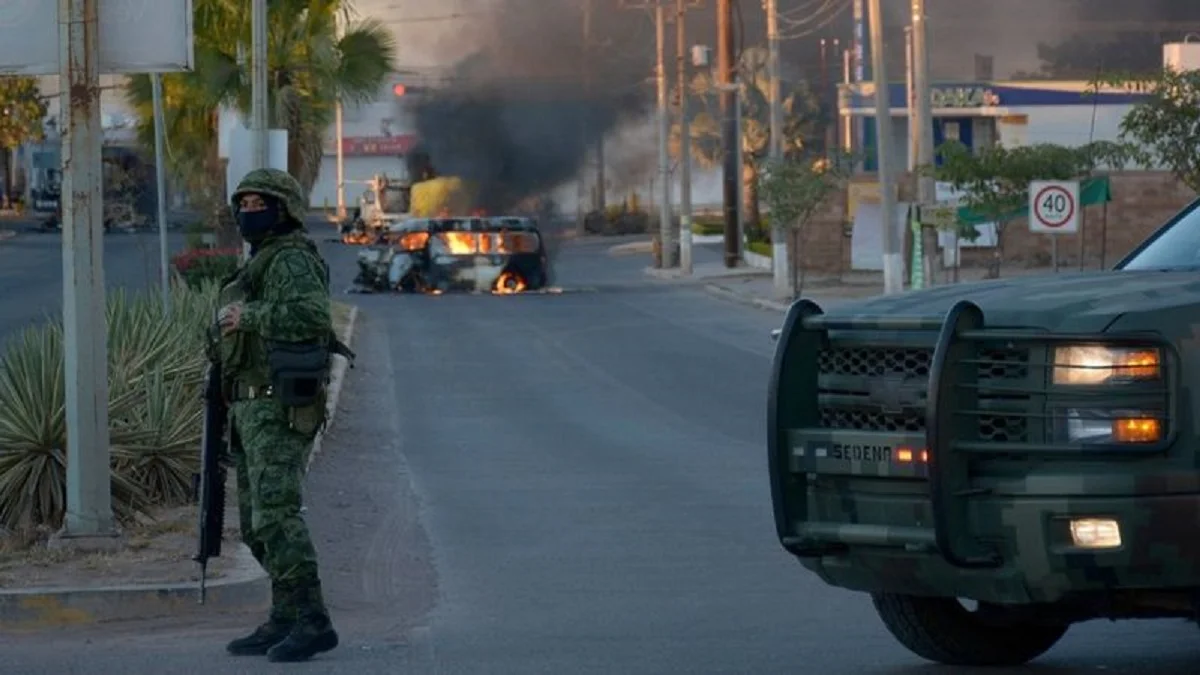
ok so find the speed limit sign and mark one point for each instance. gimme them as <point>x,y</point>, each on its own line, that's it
<point>1054,206</point>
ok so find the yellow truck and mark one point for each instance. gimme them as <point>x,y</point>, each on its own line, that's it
<point>441,197</point>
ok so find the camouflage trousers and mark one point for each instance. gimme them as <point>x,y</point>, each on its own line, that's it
<point>270,459</point>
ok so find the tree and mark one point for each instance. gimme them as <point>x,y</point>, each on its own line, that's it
<point>801,125</point>
<point>1082,56</point>
<point>309,67</point>
<point>1165,127</point>
<point>995,180</point>
<point>22,113</point>
<point>795,188</point>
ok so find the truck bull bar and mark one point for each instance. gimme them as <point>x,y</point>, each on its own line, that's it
<point>952,388</point>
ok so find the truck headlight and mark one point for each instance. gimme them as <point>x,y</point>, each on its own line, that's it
<point>1097,364</point>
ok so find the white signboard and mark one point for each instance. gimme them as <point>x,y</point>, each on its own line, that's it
<point>1054,206</point>
<point>136,36</point>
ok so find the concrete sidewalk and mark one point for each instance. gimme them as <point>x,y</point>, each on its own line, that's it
<point>752,286</point>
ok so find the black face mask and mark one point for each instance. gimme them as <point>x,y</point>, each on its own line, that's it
<point>257,225</point>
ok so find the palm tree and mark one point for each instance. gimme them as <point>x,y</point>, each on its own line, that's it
<point>801,125</point>
<point>309,66</point>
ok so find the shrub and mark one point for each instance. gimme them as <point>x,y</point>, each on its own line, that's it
<point>197,265</point>
<point>155,371</point>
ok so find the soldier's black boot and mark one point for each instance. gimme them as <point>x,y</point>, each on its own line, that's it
<point>312,634</point>
<point>278,626</point>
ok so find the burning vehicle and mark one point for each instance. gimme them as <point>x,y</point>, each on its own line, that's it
<point>502,255</point>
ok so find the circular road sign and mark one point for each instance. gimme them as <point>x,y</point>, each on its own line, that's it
<point>1054,206</point>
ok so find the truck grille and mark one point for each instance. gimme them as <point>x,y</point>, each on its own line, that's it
<point>846,375</point>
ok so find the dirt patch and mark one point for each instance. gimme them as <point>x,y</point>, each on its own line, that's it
<point>156,550</point>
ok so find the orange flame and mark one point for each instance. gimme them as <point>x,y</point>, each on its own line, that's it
<point>509,283</point>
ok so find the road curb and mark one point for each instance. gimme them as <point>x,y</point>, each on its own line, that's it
<point>247,588</point>
<point>761,303</point>
<point>336,376</point>
<point>5,235</point>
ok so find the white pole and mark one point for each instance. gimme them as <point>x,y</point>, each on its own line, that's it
<point>741,169</point>
<point>160,178</point>
<point>340,134</point>
<point>85,344</point>
<point>913,131</point>
<point>685,145</point>
<point>923,117</point>
<point>779,249</point>
<point>893,262</point>
<point>258,83</point>
<point>664,130</point>
<point>258,93</point>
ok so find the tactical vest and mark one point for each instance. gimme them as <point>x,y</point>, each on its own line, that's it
<point>243,354</point>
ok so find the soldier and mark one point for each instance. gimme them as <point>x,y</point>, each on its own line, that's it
<point>275,343</point>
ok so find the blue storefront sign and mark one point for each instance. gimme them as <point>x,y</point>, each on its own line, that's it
<point>992,95</point>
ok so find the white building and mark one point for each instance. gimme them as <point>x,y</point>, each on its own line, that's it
<point>981,114</point>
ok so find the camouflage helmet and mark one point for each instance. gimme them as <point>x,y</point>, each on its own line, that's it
<point>275,183</point>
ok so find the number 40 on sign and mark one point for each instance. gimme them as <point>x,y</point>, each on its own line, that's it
<point>1054,206</point>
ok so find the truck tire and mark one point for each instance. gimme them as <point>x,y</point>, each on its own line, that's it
<point>943,631</point>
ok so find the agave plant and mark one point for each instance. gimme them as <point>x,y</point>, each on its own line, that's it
<point>33,434</point>
<point>156,368</point>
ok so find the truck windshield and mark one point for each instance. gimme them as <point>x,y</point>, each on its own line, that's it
<point>1177,246</point>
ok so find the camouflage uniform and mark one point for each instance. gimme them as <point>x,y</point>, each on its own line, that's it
<point>283,292</point>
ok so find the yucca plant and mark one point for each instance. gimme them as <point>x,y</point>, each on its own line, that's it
<point>159,449</point>
<point>155,371</point>
<point>33,435</point>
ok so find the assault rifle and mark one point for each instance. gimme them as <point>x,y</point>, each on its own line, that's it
<point>210,484</point>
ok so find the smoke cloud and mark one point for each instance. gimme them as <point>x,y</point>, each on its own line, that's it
<point>516,115</point>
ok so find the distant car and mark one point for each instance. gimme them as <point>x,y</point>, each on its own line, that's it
<point>503,255</point>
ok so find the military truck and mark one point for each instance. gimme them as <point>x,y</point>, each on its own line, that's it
<point>996,461</point>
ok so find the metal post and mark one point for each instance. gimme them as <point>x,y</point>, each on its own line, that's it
<point>339,134</point>
<point>160,179</point>
<point>729,132</point>
<point>739,162</point>
<point>85,342</point>
<point>685,145</point>
<point>914,138</point>
<point>664,131</point>
<point>923,116</point>
<point>585,126</point>
<point>779,245</point>
<point>893,262</point>
<point>258,83</point>
<point>847,119</point>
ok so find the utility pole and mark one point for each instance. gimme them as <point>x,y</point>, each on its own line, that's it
<point>339,134</point>
<point>729,131</point>
<point>923,117</point>
<point>910,106</point>
<point>893,262</point>
<point>685,142</point>
<point>779,249</point>
<point>664,131</point>
<point>258,84</point>
<point>160,179</point>
<point>89,516</point>
<point>585,117</point>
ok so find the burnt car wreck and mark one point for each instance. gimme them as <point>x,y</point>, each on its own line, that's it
<point>501,255</point>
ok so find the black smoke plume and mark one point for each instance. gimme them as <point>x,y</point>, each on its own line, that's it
<point>518,117</point>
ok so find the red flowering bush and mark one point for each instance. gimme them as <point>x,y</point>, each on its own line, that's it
<point>196,265</point>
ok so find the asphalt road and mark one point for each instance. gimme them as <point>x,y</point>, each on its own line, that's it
<point>31,272</point>
<point>563,484</point>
